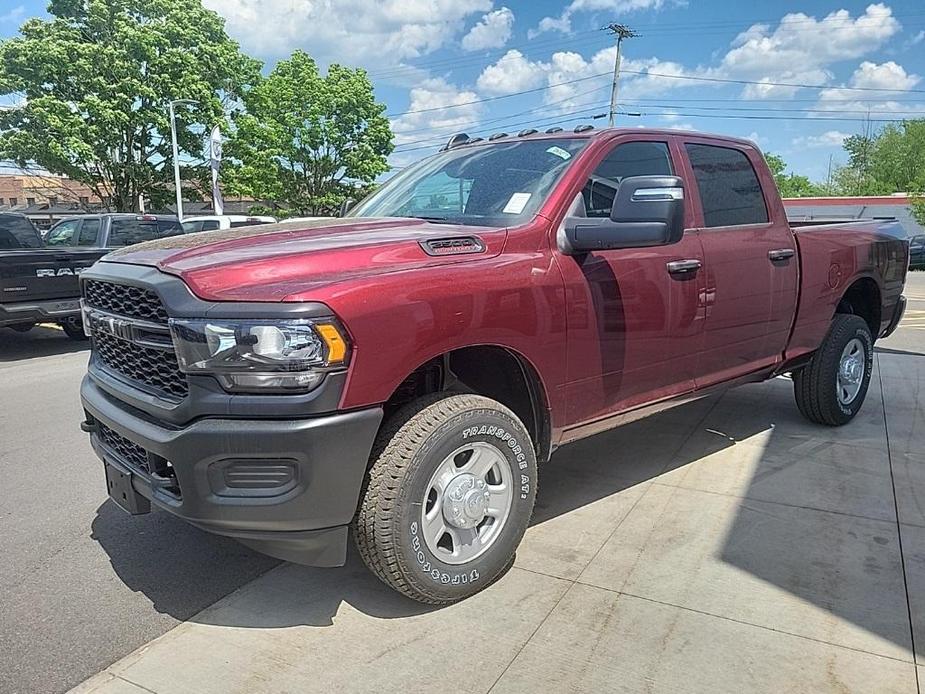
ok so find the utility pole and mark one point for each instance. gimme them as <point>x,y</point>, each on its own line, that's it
<point>621,31</point>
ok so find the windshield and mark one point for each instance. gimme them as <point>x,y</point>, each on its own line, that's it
<point>495,184</point>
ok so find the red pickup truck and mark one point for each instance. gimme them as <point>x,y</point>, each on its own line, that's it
<point>400,372</point>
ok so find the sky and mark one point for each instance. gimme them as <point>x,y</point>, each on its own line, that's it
<point>795,77</point>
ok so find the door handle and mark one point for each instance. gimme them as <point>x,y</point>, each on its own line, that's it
<point>682,267</point>
<point>780,254</point>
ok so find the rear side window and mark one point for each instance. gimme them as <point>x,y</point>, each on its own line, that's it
<point>89,233</point>
<point>18,232</point>
<point>127,232</point>
<point>197,225</point>
<point>730,193</point>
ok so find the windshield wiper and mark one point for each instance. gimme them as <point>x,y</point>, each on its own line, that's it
<point>429,218</point>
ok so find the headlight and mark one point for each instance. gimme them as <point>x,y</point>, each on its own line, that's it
<point>260,355</point>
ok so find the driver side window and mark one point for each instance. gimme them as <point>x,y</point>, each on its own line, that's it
<point>62,234</point>
<point>628,159</point>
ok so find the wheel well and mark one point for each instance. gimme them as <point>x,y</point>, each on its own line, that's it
<point>863,299</point>
<point>494,372</point>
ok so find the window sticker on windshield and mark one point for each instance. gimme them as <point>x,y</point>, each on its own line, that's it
<point>559,152</point>
<point>517,203</point>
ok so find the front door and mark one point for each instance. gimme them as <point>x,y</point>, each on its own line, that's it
<point>634,315</point>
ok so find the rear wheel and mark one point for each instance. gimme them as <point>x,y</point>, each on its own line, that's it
<point>448,497</point>
<point>832,387</point>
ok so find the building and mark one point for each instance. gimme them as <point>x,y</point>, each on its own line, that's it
<point>19,191</point>
<point>861,207</point>
<point>46,198</point>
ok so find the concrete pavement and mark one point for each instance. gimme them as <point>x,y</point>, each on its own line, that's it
<point>81,583</point>
<point>724,546</point>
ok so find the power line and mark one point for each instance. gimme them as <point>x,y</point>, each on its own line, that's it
<point>495,98</point>
<point>791,118</point>
<point>661,28</point>
<point>772,84</point>
<point>581,114</point>
<point>920,112</point>
<point>481,121</point>
<point>649,73</point>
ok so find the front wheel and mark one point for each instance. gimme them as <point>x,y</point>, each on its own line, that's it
<point>448,497</point>
<point>831,388</point>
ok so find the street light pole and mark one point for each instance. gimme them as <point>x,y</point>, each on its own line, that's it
<point>176,154</point>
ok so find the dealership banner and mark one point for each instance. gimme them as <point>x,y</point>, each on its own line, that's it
<point>215,157</point>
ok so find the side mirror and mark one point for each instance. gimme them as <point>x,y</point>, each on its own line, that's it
<point>647,211</point>
<point>346,206</point>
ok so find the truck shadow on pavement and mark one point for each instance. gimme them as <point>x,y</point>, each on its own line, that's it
<point>38,342</point>
<point>763,517</point>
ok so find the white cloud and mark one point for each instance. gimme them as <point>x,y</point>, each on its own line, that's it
<point>886,76</point>
<point>492,31</point>
<point>915,40</point>
<point>370,33</point>
<point>801,47</point>
<point>563,23</point>
<point>830,138</point>
<point>437,109</point>
<point>576,82</point>
<point>757,138</point>
<point>511,73</point>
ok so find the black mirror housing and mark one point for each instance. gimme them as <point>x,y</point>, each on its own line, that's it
<point>346,206</point>
<point>647,211</point>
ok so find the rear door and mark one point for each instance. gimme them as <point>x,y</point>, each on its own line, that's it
<point>750,260</point>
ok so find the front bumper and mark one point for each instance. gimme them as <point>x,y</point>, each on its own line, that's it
<point>286,487</point>
<point>51,311</point>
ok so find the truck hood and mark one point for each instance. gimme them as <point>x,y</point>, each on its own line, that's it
<point>271,262</point>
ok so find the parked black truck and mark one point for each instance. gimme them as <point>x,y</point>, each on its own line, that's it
<point>38,280</point>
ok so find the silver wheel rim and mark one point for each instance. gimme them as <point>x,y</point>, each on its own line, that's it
<point>851,368</point>
<point>467,503</point>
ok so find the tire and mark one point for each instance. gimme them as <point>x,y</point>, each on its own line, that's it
<point>821,397</point>
<point>22,327</point>
<point>427,455</point>
<point>74,330</point>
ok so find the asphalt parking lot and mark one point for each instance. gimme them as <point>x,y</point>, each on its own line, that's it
<point>724,546</point>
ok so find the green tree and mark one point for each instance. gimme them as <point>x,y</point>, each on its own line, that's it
<point>94,82</point>
<point>790,185</point>
<point>918,208</point>
<point>308,141</point>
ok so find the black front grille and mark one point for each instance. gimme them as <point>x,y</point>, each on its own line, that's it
<point>155,368</point>
<point>125,450</point>
<point>125,300</point>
